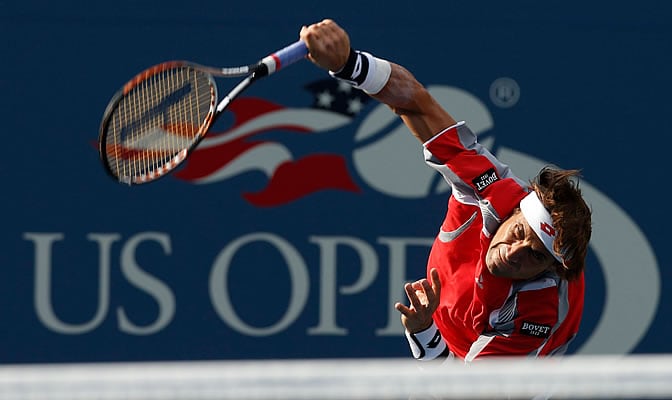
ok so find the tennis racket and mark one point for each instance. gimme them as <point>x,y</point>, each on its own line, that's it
<point>156,119</point>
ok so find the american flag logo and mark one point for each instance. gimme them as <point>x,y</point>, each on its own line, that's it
<point>259,139</point>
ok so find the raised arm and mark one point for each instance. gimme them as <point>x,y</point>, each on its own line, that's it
<point>330,48</point>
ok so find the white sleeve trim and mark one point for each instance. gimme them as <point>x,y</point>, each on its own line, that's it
<point>477,347</point>
<point>442,132</point>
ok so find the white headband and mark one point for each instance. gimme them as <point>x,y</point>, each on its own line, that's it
<point>540,221</point>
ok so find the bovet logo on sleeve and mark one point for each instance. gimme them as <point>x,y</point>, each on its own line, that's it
<point>485,179</point>
<point>534,329</point>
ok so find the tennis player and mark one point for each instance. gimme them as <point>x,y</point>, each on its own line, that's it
<point>505,273</point>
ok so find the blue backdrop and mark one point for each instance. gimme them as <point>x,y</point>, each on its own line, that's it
<point>240,254</point>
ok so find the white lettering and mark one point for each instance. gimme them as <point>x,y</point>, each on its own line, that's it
<point>148,283</point>
<point>328,280</point>
<point>43,267</point>
<point>330,266</point>
<point>535,329</point>
<point>397,279</point>
<point>219,280</point>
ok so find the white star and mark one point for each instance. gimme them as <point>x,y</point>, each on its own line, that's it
<point>355,106</point>
<point>344,87</point>
<point>325,99</point>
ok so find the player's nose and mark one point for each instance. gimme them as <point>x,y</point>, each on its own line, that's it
<point>516,253</point>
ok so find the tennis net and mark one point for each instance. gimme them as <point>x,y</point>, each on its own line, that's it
<point>570,377</point>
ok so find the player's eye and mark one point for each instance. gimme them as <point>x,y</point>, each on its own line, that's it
<point>537,255</point>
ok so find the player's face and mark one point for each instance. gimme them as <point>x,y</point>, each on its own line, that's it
<point>516,252</point>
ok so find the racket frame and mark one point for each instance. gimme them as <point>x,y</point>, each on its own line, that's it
<point>182,154</point>
<point>251,73</point>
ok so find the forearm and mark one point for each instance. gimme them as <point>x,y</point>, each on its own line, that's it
<point>413,103</point>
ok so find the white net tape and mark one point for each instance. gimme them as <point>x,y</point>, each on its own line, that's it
<point>574,377</point>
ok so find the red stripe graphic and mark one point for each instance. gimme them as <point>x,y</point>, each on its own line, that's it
<point>289,180</point>
<point>296,179</point>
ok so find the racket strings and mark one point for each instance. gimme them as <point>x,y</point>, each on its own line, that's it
<point>157,121</point>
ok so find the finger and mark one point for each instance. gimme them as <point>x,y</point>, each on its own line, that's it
<point>412,296</point>
<point>328,24</point>
<point>422,296</point>
<point>419,284</point>
<point>428,295</point>
<point>436,281</point>
<point>408,312</point>
<point>426,286</point>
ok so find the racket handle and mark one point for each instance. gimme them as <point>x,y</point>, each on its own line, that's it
<point>286,56</point>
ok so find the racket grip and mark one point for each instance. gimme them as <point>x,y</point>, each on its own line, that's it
<point>286,56</point>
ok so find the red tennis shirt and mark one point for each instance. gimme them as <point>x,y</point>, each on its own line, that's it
<point>480,314</point>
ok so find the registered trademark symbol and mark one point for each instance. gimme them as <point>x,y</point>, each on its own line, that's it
<point>504,92</point>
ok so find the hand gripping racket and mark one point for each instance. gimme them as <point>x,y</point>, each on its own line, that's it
<point>156,119</point>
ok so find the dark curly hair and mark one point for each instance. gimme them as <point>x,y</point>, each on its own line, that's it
<point>571,216</point>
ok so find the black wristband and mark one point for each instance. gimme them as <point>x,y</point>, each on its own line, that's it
<point>355,69</point>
